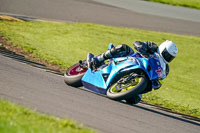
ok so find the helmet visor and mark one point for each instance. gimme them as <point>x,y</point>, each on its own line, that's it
<point>167,56</point>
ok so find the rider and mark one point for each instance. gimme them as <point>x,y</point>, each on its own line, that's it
<point>166,52</point>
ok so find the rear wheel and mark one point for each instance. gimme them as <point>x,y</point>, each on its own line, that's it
<point>134,100</point>
<point>74,75</point>
<point>127,90</point>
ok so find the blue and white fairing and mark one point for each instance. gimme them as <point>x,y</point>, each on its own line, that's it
<point>100,80</point>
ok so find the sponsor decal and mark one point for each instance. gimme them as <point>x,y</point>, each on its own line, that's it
<point>159,72</point>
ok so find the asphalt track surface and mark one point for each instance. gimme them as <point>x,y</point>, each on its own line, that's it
<point>157,9</point>
<point>46,92</point>
<point>108,12</point>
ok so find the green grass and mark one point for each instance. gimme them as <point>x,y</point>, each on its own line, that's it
<point>185,3</point>
<point>17,119</point>
<point>66,43</point>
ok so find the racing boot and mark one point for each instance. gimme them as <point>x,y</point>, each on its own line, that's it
<point>92,61</point>
<point>156,84</point>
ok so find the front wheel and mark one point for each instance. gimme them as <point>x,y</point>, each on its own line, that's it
<point>127,90</point>
<point>74,75</point>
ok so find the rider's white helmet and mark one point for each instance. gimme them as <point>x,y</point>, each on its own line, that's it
<point>168,51</point>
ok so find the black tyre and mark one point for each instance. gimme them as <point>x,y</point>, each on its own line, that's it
<point>74,75</point>
<point>128,90</point>
<point>133,100</point>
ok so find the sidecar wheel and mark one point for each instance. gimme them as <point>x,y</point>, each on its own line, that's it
<point>73,75</point>
<point>129,92</point>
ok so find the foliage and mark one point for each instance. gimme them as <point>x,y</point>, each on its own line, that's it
<point>16,119</point>
<point>185,3</point>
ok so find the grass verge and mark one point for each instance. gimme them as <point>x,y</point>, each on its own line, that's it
<point>185,3</point>
<point>17,119</point>
<point>66,43</point>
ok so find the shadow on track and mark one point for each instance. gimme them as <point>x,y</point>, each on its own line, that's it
<point>168,115</point>
<point>166,112</point>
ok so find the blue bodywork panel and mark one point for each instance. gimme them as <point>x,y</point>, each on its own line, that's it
<point>93,81</point>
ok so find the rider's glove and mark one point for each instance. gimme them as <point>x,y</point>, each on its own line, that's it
<point>151,47</point>
<point>140,46</point>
